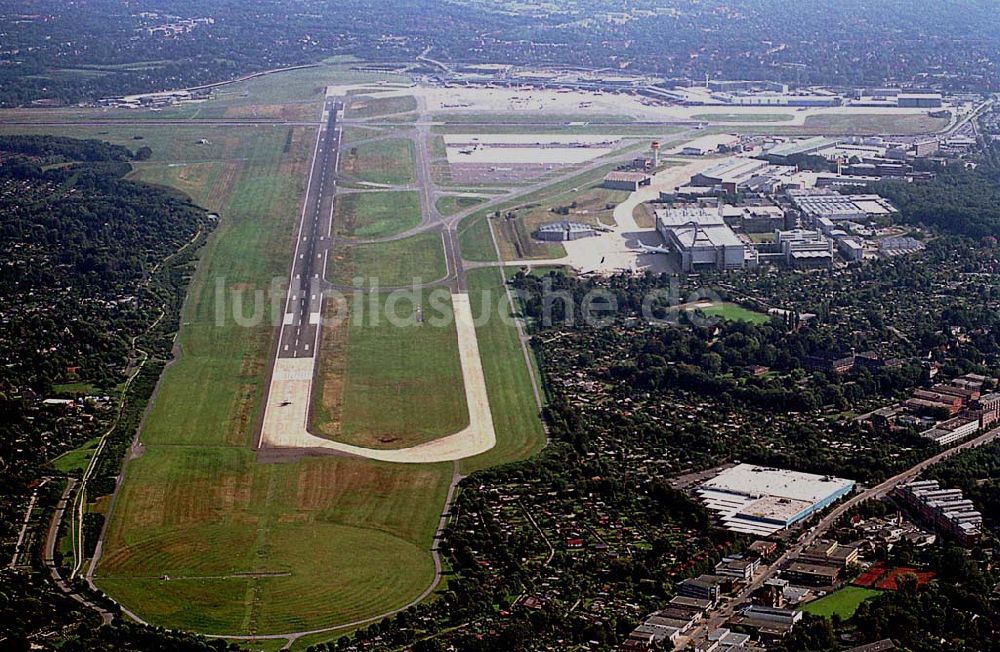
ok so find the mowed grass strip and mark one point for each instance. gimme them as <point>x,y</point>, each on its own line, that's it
<point>208,605</point>
<point>402,379</point>
<point>227,326</point>
<point>451,204</point>
<point>389,162</point>
<point>508,382</point>
<point>376,214</point>
<point>389,264</point>
<point>309,544</point>
<point>843,602</point>
<point>365,106</point>
<point>863,124</point>
<point>744,117</point>
<point>475,240</point>
<point>198,507</point>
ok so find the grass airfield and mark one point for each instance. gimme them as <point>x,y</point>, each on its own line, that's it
<point>205,537</point>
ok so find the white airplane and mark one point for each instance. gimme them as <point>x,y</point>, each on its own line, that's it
<point>650,249</point>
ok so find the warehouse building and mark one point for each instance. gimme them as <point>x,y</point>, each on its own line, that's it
<point>730,175</point>
<point>818,204</point>
<point>920,100</point>
<point>703,239</point>
<point>804,248</point>
<point>808,146</point>
<point>564,231</point>
<point>758,500</point>
<point>630,181</point>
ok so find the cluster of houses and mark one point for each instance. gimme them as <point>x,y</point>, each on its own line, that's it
<point>769,614</point>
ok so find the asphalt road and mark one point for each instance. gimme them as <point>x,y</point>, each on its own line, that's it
<point>304,303</point>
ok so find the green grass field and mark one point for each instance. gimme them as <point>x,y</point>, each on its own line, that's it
<point>530,117</point>
<point>862,124</point>
<point>269,547</point>
<point>475,240</point>
<point>390,264</point>
<point>843,602</point>
<point>391,376</point>
<point>352,134</point>
<point>78,458</point>
<point>376,214</point>
<point>324,535</point>
<point>451,204</point>
<point>734,312</point>
<point>374,106</point>
<point>205,537</point>
<point>515,414</point>
<point>388,162</point>
<point>744,117</point>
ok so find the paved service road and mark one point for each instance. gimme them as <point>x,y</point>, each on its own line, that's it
<point>304,303</point>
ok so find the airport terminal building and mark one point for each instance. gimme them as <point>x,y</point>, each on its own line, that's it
<point>757,500</point>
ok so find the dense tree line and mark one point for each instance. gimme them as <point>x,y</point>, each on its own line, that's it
<point>960,199</point>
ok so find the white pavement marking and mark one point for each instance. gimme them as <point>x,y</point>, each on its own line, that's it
<point>286,414</point>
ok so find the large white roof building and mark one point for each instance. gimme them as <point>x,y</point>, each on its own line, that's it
<point>760,500</point>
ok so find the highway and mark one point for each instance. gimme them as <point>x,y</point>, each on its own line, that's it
<point>881,490</point>
<point>304,301</point>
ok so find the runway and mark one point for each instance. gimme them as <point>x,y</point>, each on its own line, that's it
<point>304,304</point>
<point>285,424</point>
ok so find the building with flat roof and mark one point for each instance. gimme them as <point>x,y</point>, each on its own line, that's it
<point>703,587</point>
<point>703,239</point>
<point>809,574</point>
<point>920,100</point>
<point>829,553</point>
<point>730,175</point>
<point>630,181</point>
<point>759,500</point>
<point>754,219</point>
<point>803,248</point>
<point>946,509</point>
<point>831,205</point>
<point>563,231</point>
<point>785,151</point>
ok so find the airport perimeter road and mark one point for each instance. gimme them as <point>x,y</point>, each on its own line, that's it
<point>878,491</point>
<point>304,303</point>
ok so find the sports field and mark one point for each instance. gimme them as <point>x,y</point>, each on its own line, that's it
<point>843,602</point>
<point>734,312</point>
<point>376,214</point>
<point>390,376</point>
